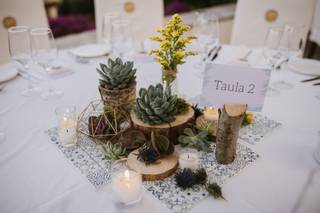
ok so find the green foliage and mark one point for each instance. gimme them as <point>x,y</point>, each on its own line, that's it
<point>187,178</point>
<point>214,190</point>
<point>182,106</point>
<point>198,141</point>
<point>156,105</point>
<point>114,151</point>
<point>117,75</point>
<point>147,155</point>
<point>160,144</point>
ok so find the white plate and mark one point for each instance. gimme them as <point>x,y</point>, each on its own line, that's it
<point>305,66</point>
<point>7,73</point>
<point>90,50</point>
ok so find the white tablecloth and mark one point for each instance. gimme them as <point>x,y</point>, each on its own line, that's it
<point>36,177</point>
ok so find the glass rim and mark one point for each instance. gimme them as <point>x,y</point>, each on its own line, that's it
<point>65,108</point>
<point>121,22</point>
<point>18,29</point>
<point>40,31</point>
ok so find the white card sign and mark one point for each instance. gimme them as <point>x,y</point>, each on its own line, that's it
<point>234,84</point>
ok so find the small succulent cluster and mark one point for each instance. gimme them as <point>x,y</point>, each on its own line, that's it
<point>114,151</point>
<point>248,119</point>
<point>182,106</point>
<point>156,105</point>
<point>187,178</point>
<point>117,75</point>
<point>158,147</point>
<point>132,139</point>
<point>147,155</point>
<point>199,141</point>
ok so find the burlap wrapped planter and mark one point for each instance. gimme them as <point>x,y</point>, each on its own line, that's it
<point>124,98</point>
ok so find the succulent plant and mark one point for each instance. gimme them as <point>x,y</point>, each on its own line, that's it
<point>185,178</point>
<point>182,106</point>
<point>160,144</point>
<point>147,155</point>
<point>214,190</point>
<point>248,119</point>
<point>114,151</point>
<point>156,105</point>
<point>117,75</point>
<point>132,139</point>
<point>195,140</point>
<point>201,176</point>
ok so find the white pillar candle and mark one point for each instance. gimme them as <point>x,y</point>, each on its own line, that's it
<point>189,160</point>
<point>127,186</point>
<point>68,131</point>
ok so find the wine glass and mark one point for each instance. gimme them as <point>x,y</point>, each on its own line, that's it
<point>290,47</point>
<point>43,52</point>
<point>121,40</point>
<point>108,18</point>
<point>19,49</point>
<point>271,52</point>
<point>206,28</point>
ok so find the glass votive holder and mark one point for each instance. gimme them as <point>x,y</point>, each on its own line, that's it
<point>189,158</point>
<point>67,125</point>
<point>126,184</point>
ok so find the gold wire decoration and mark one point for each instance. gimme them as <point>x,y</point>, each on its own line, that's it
<point>102,122</point>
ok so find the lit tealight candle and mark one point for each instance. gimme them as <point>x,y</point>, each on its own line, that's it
<point>68,131</point>
<point>211,114</point>
<point>189,160</point>
<point>127,186</point>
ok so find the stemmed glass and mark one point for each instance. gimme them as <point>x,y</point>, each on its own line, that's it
<point>206,28</point>
<point>43,52</point>
<point>290,47</point>
<point>19,48</point>
<point>108,18</point>
<point>271,52</point>
<point>121,40</point>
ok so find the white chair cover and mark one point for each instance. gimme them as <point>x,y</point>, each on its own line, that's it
<point>251,25</point>
<point>29,13</point>
<point>145,15</point>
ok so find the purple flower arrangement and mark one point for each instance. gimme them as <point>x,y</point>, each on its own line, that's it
<point>64,25</point>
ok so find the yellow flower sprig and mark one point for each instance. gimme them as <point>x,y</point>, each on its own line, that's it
<point>172,50</point>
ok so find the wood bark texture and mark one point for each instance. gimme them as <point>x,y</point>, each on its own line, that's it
<point>230,119</point>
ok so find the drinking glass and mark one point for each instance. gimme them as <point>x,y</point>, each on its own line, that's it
<point>290,47</point>
<point>121,40</point>
<point>271,52</point>
<point>206,28</point>
<point>19,49</point>
<point>43,52</point>
<point>108,18</point>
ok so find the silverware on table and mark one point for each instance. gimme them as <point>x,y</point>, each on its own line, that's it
<point>216,53</point>
<point>311,79</point>
<point>316,84</point>
<point>246,56</point>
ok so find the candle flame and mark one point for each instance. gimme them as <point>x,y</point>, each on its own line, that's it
<point>127,174</point>
<point>65,119</point>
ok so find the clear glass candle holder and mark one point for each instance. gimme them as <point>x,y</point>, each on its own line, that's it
<point>189,159</point>
<point>126,184</point>
<point>67,125</point>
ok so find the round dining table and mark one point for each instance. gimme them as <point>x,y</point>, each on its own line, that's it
<point>36,177</point>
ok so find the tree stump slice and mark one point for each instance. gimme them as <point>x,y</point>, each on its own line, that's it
<point>172,130</point>
<point>152,172</point>
<point>230,120</point>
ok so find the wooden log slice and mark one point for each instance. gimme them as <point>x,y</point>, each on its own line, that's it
<point>162,169</point>
<point>172,130</point>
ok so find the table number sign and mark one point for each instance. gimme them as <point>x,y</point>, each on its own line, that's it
<point>234,84</point>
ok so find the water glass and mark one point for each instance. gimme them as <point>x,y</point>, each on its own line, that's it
<point>121,40</point>
<point>43,52</point>
<point>19,49</point>
<point>108,18</point>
